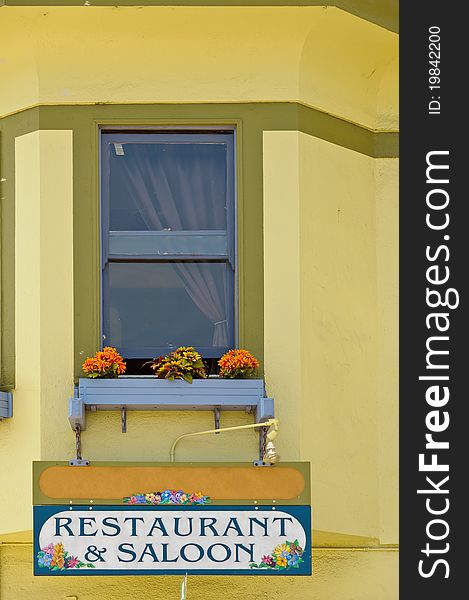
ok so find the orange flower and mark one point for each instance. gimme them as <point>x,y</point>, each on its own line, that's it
<point>58,557</point>
<point>57,561</point>
<point>106,363</point>
<point>237,364</point>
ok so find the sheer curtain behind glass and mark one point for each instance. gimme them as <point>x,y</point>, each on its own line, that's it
<point>176,187</point>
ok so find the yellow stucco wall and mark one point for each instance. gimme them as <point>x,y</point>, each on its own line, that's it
<point>315,55</point>
<point>340,575</point>
<point>330,274</point>
<point>387,260</point>
<point>43,316</point>
<point>330,218</point>
<point>330,349</point>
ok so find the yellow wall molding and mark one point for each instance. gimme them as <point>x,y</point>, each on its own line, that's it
<point>320,56</point>
<point>384,13</point>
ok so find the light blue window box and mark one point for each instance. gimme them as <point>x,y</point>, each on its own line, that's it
<point>6,405</point>
<point>150,393</point>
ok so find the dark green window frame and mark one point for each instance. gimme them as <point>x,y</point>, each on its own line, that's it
<point>250,121</point>
<point>146,244</point>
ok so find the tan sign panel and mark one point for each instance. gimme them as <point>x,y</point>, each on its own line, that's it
<point>109,483</point>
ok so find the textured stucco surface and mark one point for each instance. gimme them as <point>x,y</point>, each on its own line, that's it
<point>330,231</point>
<point>330,265</point>
<point>338,575</point>
<point>321,56</point>
<point>324,356</point>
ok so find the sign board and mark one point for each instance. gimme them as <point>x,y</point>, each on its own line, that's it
<point>171,532</point>
<point>223,540</point>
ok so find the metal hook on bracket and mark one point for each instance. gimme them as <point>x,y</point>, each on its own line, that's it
<point>79,461</point>
<point>216,412</point>
<point>124,419</point>
<point>262,442</point>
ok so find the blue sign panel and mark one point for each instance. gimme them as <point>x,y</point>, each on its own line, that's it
<point>171,540</point>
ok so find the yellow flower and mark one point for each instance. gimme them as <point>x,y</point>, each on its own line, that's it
<point>281,548</point>
<point>281,562</point>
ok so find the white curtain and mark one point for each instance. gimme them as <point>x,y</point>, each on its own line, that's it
<point>178,187</point>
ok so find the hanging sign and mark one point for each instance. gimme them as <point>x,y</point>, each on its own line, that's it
<point>169,532</point>
<point>235,540</point>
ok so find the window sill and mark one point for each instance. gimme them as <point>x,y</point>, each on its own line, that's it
<point>149,393</point>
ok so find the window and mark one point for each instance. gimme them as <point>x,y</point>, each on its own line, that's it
<point>168,241</point>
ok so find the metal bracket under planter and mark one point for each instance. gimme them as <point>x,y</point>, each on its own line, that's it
<point>6,405</point>
<point>148,393</point>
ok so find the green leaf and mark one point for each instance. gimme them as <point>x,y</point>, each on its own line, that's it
<point>187,377</point>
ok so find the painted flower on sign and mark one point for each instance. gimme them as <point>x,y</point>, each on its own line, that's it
<point>56,558</point>
<point>174,497</point>
<point>283,557</point>
<point>72,562</point>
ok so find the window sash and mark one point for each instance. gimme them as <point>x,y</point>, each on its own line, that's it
<point>168,246</point>
<point>149,352</point>
<point>165,138</point>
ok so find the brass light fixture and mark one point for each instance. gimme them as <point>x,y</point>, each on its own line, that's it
<point>271,434</point>
<point>270,452</point>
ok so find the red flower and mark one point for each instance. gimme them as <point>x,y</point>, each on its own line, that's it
<point>72,562</point>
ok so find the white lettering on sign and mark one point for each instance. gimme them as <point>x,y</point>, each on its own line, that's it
<point>170,539</point>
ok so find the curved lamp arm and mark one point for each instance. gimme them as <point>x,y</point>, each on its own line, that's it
<point>269,423</point>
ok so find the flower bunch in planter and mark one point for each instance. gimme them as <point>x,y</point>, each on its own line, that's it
<point>184,363</point>
<point>238,364</point>
<point>107,363</point>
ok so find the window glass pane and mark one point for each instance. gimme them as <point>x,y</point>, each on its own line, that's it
<point>152,308</point>
<point>174,186</point>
